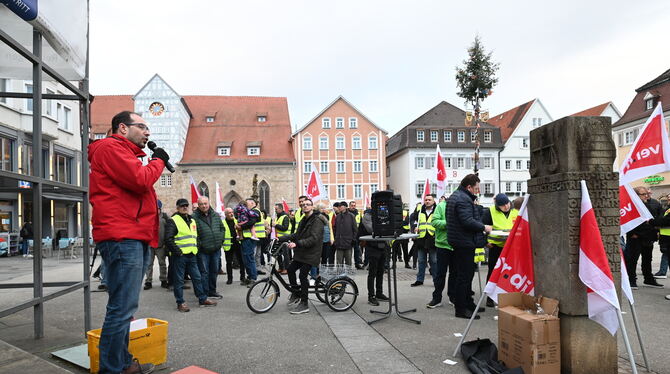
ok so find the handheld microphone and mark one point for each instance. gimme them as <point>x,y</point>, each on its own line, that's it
<point>168,165</point>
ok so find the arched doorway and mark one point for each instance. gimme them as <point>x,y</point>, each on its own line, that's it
<point>203,190</point>
<point>264,196</point>
<point>231,199</point>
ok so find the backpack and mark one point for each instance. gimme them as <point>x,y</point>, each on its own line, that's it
<point>481,357</point>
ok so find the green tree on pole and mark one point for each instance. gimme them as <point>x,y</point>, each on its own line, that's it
<point>475,81</point>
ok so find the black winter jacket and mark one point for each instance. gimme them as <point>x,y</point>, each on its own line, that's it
<point>308,239</point>
<point>464,220</point>
<point>345,229</point>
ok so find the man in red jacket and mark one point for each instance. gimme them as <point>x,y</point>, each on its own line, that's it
<point>125,225</point>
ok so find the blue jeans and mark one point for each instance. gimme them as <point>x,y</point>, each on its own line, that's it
<point>209,264</point>
<point>125,264</point>
<point>663,270</point>
<point>24,246</point>
<point>420,275</point>
<point>182,264</point>
<point>248,253</point>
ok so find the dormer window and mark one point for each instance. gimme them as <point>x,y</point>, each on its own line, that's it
<point>649,101</point>
<point>650,104</point>
<point>209,119</point>
<point>253,148</point>
<point>223,151</point>
<point>262,118</point>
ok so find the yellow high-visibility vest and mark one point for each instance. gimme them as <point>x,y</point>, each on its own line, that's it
<point>405,213</point>
<point>500,222</point>
<point>187,237</point>
<point>480,255</point>
<point>426,225</point>
<point>280,221</point>
<point>298,216</point>
<point>227,235</point>
<point>665,230</point>
<point>260,226</point>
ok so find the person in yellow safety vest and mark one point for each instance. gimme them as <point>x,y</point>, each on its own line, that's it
<point>261,234</point>
<point>282,228</point>
<point>181,239</point>
<point>327,252</point>
<point>501,216</point>
<point>413,221</point>
<point>298,213</point>
<point>231,246</point>
<point>358,252</point>
<point>426,240</point>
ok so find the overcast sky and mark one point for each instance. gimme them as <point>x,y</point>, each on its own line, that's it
<point>393,60</point>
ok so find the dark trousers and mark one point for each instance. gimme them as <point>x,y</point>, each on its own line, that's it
<point>234,253</point>
<point>442,263</point>
<point>285,257</point>
<point>304,283</point>
<point>327,254</point>
<point>208,264</point>
<point>462,260</point>
<point>494,255</point>
<point>635,248</point>
<point>397,250</point>
<point>413,253</point>
<point>376,260</point>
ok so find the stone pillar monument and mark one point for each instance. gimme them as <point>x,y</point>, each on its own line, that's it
<point>563,153</point>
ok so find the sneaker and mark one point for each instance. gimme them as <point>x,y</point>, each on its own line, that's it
<point>229,281</point>
<point>183,308</point>
<point>215,295</point>
<point>373,301</point>
<point>382,297</point>
<point>28,256</point>
<point>433,304</point>
<point>208,302</point>
<point>250,283</point>
<point>407,266</point>
<point>102,287</point>
<point>147,285</point>
<point>137,368</point>
<point>417,283</point>
<point>667,297</point>
<point>244,282</point>
<point>293,299</point>
<point>660,276</point>
<point>490,303</point>
<point>261,272</point>
<point>633,286</point>
<point>164,284</point>
<point>301,308</point>
<point>653,283</point>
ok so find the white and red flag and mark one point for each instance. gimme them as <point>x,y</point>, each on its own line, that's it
<point>594,269</point>
<point>366,201</point>
<point>632,210</point>
<point>625,282</point>
<point>650,153</point>
<point>440,173</point>
<point>315,189</point>
<point>194,192</point>
<point>514,270</point>
<point>219,199</point>
<point>285,205</point>
<point>426,190</point>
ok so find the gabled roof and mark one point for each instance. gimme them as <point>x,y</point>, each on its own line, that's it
<point>659,88</point>
<point>104,108</point>
<point>509,120</point>
<point>150,80</point>
<point>330,105</point>
<point>596,110</point>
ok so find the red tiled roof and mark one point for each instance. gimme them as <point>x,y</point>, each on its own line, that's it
<point>509,120</point>
<point>659,87</point>
<point>595,111</point>
<point>104,108</point>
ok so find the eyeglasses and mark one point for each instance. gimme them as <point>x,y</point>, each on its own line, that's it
<point>140,126</point>
<point>307,204</point>
<point>183,206</point>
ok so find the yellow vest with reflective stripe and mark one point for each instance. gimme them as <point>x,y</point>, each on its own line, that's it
<point>405,213</point>
<point>500,222</point>
<point>187,237</point>
<point>665,230</point>
<point>358,217</point>
<point>260,226</point>
<point>280,221</point>
<point>298,216</point>
<point>480,255</point>
<point>227,235</point>
<point>426,225</point>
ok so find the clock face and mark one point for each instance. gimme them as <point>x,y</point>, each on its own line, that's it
<point>156,108</point>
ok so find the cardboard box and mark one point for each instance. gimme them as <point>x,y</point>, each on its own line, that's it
<point>526,339</point>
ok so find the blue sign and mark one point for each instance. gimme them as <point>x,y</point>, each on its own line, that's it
<point>26,9</point>
<point>24,184</point>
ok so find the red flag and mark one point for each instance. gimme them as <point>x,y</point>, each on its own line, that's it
<point>594,269</point>
<point>285,205</point>
<point>366,201</point>
<point>650,153</point>
<point>426,190</point>
<point>440,173</point>
<point>514,270</point>
<point>632,210</point>
<point>315,189</point>
<point>194,192</point>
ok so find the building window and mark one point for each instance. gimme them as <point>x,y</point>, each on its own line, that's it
<point>508,186</point>
<point>487,136</point>
<point>339,142</point>
<point>418,162</point>
<point>323,142</point>
<point>325,123</point>
<point>99,136</point>
<point>650,104</point>
<point>4,87</point>
<point>357,167</point>
<point>340,166</point>
<point>307,167</point>
<point>460,162</point>
<point>373,166</point>
<point>488,189</point>
<point>518,186</point>
<point>419,188</point>
<point>323,167</point>
<point>64,119</point>
<point>223,151</point>
<point>327,188</point>
<point>209,119</point>
<point>353,122</point>
<point>166,180</point>
<point>447,136</point>
<point>537,122</point>
<point>433,136</point>
<point>528,164</point>
<point>356,142</point>
<point>488,162</point>
<point>518,164</point>
<point>340,191</point>
<point>253,151</point>
<point>62,168</point>
<point>461,136</point>
<point>262,118</point>
<point>419,135</point>
<point>29,102</point>
<point>473,136</point>
<point>430,162</point>
<point>49,105</point>
<point>358,191</point>
<point>339,123</point>
<point>447,162</point>
<point>524,143</point>
<point>307,143</point>
<point>6,154</point>
<point>628,137</point>
<point>508,164</point>
<point>372,142</point>
<point>373,188</point>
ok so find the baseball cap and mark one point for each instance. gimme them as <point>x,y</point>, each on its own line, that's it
<point>182,202</point>
<point>501,199</point>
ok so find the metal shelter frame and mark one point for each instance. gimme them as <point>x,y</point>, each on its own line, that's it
<point>80,94</point>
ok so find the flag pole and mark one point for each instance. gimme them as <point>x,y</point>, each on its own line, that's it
<point>467,328</point>
<point>626,342</point>
<point>639,336</point>
<point>479,277</point>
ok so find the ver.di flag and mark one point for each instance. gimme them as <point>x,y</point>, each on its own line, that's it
<point>315,189</point>
<point>284,205</point>
<point>650,153</point>
<point>194,192</point>
<point>219,200</point>
<point>594,269</point>
<point>632,210</point>
<point>440,173</point>
<point>514,270</point>
<point>426,190</point>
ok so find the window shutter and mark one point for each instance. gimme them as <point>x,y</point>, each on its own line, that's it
<point>620,139</point>
<point>468,163</point>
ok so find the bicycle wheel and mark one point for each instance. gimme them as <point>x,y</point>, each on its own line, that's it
<point>262,295</point>
<point>341,294</point>
<point>320,291</point>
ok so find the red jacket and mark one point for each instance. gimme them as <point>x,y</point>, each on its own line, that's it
<point>122,191</point>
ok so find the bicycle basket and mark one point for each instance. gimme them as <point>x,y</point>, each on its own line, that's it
<point>331,271</point>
